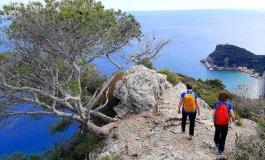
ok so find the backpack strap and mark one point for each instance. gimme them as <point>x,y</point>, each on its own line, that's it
<point>225,103</point>
<point>190,93</point>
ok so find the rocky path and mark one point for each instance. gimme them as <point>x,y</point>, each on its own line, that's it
<point>156,134</point>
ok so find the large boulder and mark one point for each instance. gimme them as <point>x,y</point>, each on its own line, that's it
<point>139,90</point>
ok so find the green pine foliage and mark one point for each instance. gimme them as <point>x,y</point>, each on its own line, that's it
<point>60,125</point>
<point>78,147</point>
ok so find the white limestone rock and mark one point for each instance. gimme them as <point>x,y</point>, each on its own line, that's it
<point>139,90</point>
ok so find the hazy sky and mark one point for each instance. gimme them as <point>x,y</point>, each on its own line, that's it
<point>132,5</point>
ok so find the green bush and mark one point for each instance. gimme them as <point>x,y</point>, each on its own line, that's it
<point>171,77</point>
<point>253,109</point>
<point>146,63</point>
<point>252,148</point>
<point>78,147</point>
<point>21,156</point>
<point>185,79</point>
<point>238,119</point>
<point>261,128</point>
<point>244,112</point>
<point>215,83</point>
<point>209,99</point>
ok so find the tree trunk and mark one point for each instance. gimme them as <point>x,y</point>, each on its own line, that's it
<point>100,132</point>
<point>103,117</point>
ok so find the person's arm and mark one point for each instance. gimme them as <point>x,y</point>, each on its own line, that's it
<point>232,115</point>
<point>214,110</point>
<point>180,104</point>
<point>198,106</point>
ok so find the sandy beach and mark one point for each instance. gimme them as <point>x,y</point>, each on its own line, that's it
<point>259,88</point>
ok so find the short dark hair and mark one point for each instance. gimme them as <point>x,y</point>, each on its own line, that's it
<point>189,86</point>
<point>223,96</point>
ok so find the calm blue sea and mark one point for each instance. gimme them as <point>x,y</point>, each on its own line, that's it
<point>194,35</point>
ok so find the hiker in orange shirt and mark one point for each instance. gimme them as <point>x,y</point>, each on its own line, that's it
<point>221,112</point>
<point>189,101</point>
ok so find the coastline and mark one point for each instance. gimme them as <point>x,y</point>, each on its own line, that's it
<point>259,90</point>
<point>262,86</point>
<point>239,69</point>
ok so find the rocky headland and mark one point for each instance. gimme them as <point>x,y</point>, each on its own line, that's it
<point>231,57</point>
<point>150,129</point>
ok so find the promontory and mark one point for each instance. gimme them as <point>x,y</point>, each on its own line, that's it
<point>231,57</point>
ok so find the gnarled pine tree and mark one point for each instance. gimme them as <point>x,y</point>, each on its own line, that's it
<point>51,48</point>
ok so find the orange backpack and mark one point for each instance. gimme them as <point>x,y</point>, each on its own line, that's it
<point>221,115</point>
<point>189,102</point>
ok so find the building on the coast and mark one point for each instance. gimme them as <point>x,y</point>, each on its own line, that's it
<point>244,69</point>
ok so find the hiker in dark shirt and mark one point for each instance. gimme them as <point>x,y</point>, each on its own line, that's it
<point>221,112</point>
<point>189,101</point>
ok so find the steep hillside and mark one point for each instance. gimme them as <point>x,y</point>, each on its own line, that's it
<point>155,134</point>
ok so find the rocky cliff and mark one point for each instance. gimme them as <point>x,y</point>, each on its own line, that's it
<point>154,133</point>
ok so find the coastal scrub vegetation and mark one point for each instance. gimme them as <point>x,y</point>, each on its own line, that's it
<point>252,147</point>
<point>215,83</point>
<point>51,49</point>
<point>146,63</point>
<point>20,156</point>
<point>254,109</point>
<point>249,148</point>
<point>171,76</point>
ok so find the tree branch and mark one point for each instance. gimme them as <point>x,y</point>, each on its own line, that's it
<point>106,102</point>
<point>26,113</point>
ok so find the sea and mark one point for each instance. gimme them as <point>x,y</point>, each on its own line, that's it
<point>193,35</point>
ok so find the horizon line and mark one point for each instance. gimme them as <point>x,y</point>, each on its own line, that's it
<point>189,9</point>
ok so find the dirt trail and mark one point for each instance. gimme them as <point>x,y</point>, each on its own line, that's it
<point>156,134</point>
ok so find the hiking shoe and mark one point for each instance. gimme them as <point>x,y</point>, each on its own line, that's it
<point>221,157</point>
<point>182,132</point>
<point>220,154</point>
<point>216,146</point>
<point>191,137</point>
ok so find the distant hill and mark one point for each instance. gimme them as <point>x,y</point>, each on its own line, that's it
<point>232,56</point>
